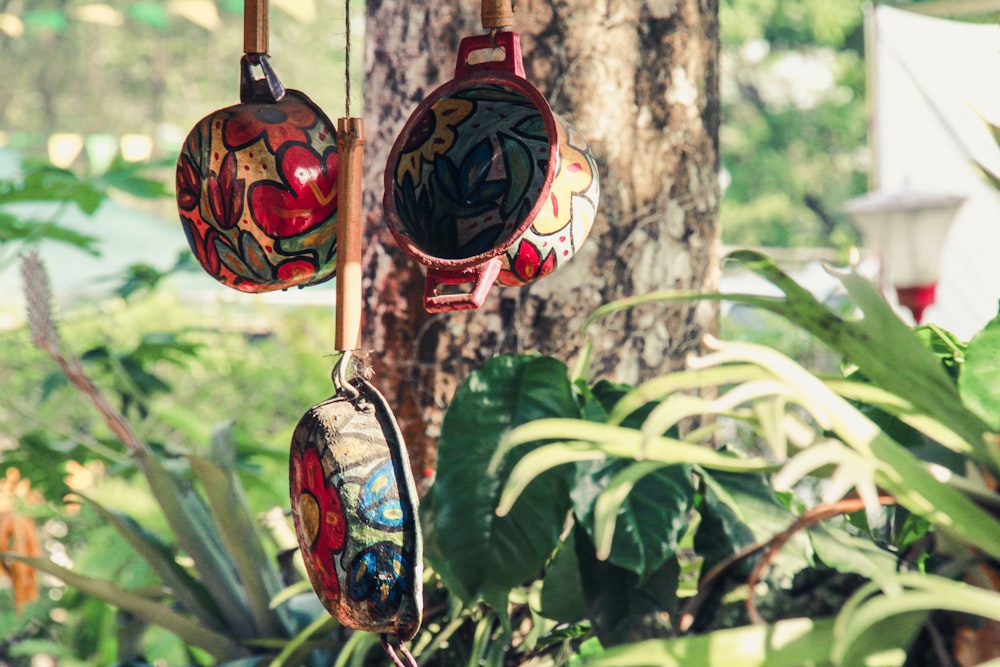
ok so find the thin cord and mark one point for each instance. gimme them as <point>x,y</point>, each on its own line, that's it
<point>410,661</point>
<point>347,59</point>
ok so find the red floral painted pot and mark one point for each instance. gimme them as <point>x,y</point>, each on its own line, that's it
<point>257,188</point>
<point>485,184</point>
<point>354,506</point>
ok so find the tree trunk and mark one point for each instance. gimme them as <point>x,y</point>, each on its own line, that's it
<point>639,80</point>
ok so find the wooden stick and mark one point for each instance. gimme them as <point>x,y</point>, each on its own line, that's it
<point>497,14</point>
<point>350,147</point>
<point>255,26</point>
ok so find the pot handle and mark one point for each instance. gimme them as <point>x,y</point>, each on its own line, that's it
<point>482,276</point>
<point>510,42</point>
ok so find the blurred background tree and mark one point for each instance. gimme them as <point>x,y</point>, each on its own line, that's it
<point>794,128</point>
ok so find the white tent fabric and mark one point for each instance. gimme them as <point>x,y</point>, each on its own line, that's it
<point>935,81</point>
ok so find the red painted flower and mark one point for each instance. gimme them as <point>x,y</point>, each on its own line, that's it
<point>307,198</point>
<point>319,520</point>
<point>225,193</point>
<point>201,238</point>
<point>295,271</point>
<point>188,184</point>
<point>288,120</point>
<point>528,265</point>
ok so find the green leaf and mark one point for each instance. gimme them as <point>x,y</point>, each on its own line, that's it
<point>295,651</point>
<point>620,606</point>
<point>879,462</point>
<point>646,515</point>
<point>875,622</point>
<point>659,388</point>
<point>945,345</point>
<point>28,230</point>
<point>128,177</point>
<point>477,553</point>
<point>562,589</point>
<point>796,642</point>
<point>579,440</point>
<point>740,510</point>
<point>187,590</point>
<point>979,381</point>
<point>241,538</point>
<point>43,182</point>
<point>844,552</point>
<point>45,20</point>
<point>219,645</point>
<point>150,13</point>
<point>197,536</point>
<point>884,349</point>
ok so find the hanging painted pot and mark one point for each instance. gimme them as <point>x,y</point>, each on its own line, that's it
<point>256,186</point>
<point>352,495</point>
<point>485,184</point>
<point>354,506</point>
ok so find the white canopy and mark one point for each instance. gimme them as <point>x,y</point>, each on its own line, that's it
<point>935,82</point>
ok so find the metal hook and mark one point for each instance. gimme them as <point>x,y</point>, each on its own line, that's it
<point>339,375</point>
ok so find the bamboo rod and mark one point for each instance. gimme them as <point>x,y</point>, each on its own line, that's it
<point>350,147</point>
<point>497,14</point>
<point>255,26</point>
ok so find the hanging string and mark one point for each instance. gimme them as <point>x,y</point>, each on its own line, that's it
<point>347,59</point>
<point>407,659</point>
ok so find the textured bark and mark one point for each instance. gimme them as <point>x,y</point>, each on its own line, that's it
<point>639,79</point>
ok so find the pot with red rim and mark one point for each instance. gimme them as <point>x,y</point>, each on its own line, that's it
<point>485,184</point>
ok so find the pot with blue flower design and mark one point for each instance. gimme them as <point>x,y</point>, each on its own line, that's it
<point>485,184</point>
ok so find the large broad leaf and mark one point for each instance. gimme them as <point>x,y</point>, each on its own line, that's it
<point>650,521</point>
<point>979,381</point>
<point>740,510</point>
<point>219,645</point>
<point>620,606</point>
<point>562,598</point>
<point>481,555</point>
<point>648,502</point>
<point>796,642</point>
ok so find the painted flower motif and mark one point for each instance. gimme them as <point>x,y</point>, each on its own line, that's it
<point>295,271</point>
<point>201,238</point>
<point>575,176</point>
<point>527,265</point>
<point>319,520</point>
<point>188,183</point>
<point>307,197</point>
<point>379,503</point>
<point>377,578</point>
<point>225,193</point>
<point>289,120</point>
<point>433,135</point>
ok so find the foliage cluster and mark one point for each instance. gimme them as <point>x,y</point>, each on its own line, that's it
<point>867,493</point>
